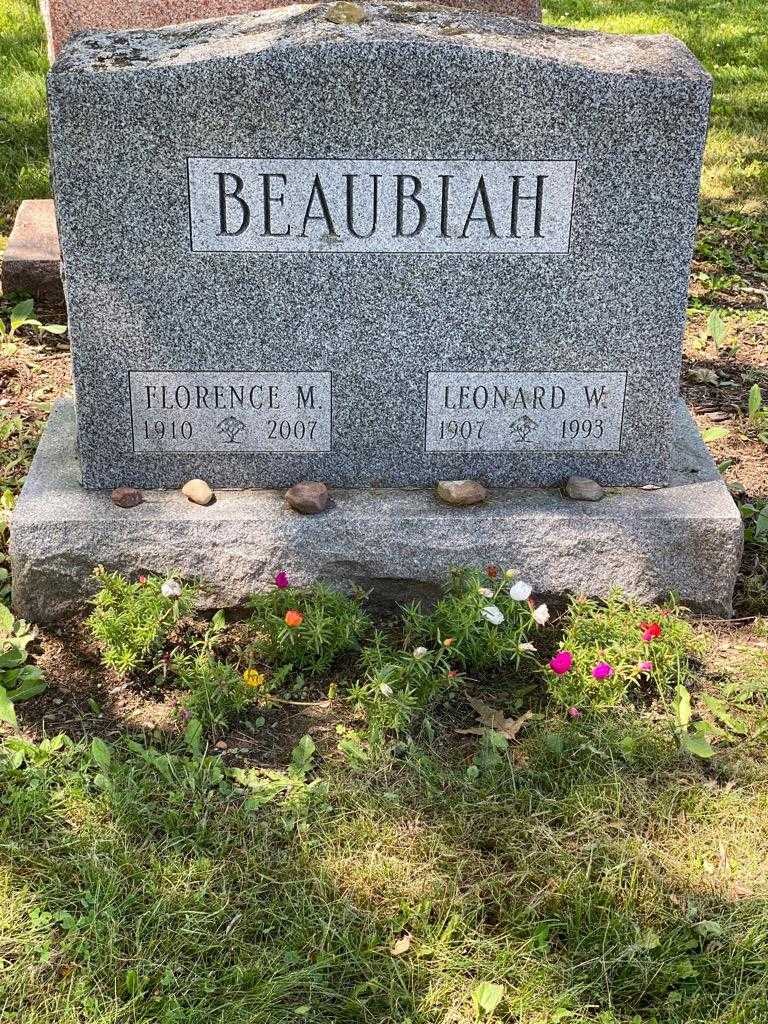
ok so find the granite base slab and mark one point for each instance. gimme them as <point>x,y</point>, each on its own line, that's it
<point>31,262</point>
<point>685,538</point>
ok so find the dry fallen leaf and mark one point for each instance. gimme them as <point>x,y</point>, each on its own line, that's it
<point>402,945</point>
<point>493,718</point>
<point>740,891</point>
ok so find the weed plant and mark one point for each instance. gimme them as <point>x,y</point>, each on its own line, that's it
<point>131,621</point>
<point>217,693</point>
<point>484,625</point>
<point>397,685</point>
<point>307,628</point>
<point>607,648</point>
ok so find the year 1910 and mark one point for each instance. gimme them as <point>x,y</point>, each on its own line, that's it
<point>172,430</point>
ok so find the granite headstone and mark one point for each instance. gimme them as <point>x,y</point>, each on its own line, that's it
<point>423,245</point>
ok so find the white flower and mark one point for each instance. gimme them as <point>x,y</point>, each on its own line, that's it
<point>386,689</point>
<point>484,592</point>
<point>541,614</point>
<point>520,591</point>
<point>171,588</point>
<point>419,652</point>
<point>492,614</point>
<point>527,647</point>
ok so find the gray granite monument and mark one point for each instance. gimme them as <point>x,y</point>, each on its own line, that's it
<point>380,251</point>
<point>424,245</point>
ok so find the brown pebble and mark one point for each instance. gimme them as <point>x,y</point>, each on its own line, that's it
<point>127,497</point>
<point>198,491</point>
<point>308,497</point>
<point>461,492</point>
<point>582,488</point>
<point>221,745</point>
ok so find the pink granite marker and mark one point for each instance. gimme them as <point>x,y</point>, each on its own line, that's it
<point>65,17</point>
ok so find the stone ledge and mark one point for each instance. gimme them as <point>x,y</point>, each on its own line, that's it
<point>31,262</point>
<point>685,538</point>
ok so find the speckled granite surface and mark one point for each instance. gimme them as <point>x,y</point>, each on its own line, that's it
<point>406,86</point>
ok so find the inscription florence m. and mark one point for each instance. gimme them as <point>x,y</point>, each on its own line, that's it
<point>387,206</point>
<point>227,411</point>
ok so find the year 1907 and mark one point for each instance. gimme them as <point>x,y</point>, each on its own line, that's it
<point>464,430</point>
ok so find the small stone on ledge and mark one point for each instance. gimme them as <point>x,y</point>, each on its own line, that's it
<point>308,497</point>
<point>461,492</point>
<point>581,488</point>
<point>198,491</point>
<point>127,497</point>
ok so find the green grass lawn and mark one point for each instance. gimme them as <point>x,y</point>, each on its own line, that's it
<point>728,36</point>
<point>596,876</point>
<point>23,122</point>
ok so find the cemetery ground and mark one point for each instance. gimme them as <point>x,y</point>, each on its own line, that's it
<point>521,844</point>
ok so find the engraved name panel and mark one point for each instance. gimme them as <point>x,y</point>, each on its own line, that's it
<point>230,411</point>
<point>385,206</point>
<point>524,412</point>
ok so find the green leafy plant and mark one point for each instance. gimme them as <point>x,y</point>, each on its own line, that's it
<point>755,516</point>
<point>18,680</point>
<point>691,737</point>
<point>606,648</point>
<point>217,692</point>
<point>716,329</point>
<point>307,628</point>
<point>131,622</point>
<point>757,413</point>
<point>486,998</point>
<point>397,685</point>
<point>21,315</point>
<point>6,505</point>
<point>296,794</point>
<point>485,618</point>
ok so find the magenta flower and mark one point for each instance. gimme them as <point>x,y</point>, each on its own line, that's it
<point>602,670</point>
<point>562,662</point>
<point>574,713</point>
<point>646,666</point>
<point>281,580</point>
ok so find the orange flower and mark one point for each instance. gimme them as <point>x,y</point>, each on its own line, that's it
<point>293,618</point>
<point>448,641</point>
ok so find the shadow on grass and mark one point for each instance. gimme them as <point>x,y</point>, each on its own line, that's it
<point>143,890</point>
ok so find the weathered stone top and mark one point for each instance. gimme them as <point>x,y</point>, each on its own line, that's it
<point>350,24</point>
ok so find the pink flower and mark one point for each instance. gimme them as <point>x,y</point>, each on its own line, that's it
<point>281,580</point>
<point>646,666</point>
<point>562,662</point>
<point>602,670</point>
<point>574,713</point>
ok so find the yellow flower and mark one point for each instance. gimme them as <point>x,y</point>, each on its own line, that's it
<point>251,677</point>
